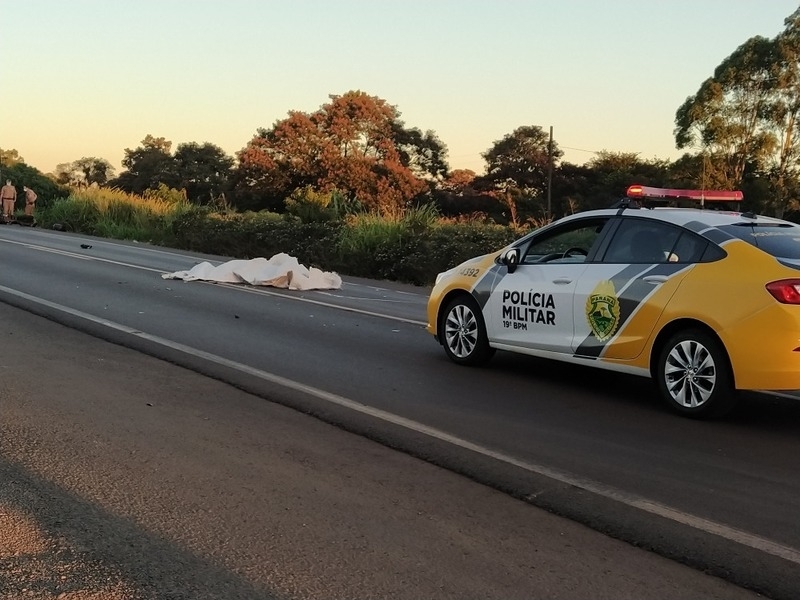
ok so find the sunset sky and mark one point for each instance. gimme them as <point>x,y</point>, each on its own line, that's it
<point>90,78</point>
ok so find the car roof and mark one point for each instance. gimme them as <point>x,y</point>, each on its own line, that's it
<point>683,216</point>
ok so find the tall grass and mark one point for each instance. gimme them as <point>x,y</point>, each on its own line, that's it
<point>116,214</point>
<point>408,244</point>
<point>363,232</point>
<point>367,231</point>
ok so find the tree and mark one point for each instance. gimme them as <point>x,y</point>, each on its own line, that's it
<point>64,175</point>
<point>572,189</point>
<point>613,172</point>
<point>9,158</point>
<point>278,161</point>
<point>84,172</point>
<point>14,168</point>
<point>521,159</point>
<point>151,142</point>
<point>348,145</point>
<point>518,167</point>
<point>459,180</point>
<point>603,180</point>
<point>725,119</point>
<point>424,153</point>
<point>744,120</point>
<point>782,115</point>
<point>361,156</point>
<point>457,196</point>
<point>95,170</point>
<point>147,166</point>
<point>203,170</point>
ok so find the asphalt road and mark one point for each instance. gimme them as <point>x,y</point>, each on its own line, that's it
<point>596,447</point>
<point>124,477</point>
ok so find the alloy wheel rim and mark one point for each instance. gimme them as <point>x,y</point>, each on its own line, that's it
<point>690,374</point>
<point>461,331</point>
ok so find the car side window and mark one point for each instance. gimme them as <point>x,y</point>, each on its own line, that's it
<point>648,242</point>
<point>569,243</point>
<point>690,248</point>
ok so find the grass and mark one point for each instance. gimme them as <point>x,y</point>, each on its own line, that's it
<point>410,244</point>
<point>365,231</point>
<point>116,214</point>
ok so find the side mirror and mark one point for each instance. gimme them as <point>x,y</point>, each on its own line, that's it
<point>511,259</point>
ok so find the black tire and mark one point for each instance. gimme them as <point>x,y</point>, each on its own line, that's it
<point>462,332</point>
<point>693,375</point>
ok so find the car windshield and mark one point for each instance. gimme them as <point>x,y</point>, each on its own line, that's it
<point>781,240</point>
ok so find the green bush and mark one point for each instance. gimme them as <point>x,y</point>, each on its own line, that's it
<point>113,213</point>
<point>122,213</point>
<point>412,247</point>
<point>166,194</point>
<point>450,244</point>
<point>250,235</point>
<point>310,206</point>
<point>122,231</point>
<point>73,214</point>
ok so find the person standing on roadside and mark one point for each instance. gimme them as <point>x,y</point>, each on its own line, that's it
<point>30,200</point>
<point>8,194</point>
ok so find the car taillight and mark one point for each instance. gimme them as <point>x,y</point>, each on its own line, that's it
<point>786,291</point>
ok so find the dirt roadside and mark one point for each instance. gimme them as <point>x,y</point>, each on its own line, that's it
<point>125,477</point>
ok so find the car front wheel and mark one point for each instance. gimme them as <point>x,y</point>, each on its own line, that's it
<point>693,375</point>
<point>463,332</point>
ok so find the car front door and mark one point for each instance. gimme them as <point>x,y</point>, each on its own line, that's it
<point>532,307</point>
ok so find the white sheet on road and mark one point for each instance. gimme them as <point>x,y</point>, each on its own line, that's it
<point>281,271</point>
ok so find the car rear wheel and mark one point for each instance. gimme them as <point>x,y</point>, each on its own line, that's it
<point>693,375</point>
<point>463,332</point>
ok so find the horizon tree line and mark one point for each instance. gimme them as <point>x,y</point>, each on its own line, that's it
<point>739,131</point>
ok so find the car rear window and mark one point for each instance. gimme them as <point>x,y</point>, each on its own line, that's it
<point>781,240</point>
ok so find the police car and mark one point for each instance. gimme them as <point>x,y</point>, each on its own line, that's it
<point>705,302</point>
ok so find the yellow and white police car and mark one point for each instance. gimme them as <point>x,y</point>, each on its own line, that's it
<point>706,302</point>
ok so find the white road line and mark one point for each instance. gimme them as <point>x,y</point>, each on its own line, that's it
<point>360,311</point>
<point>82,256</point>
<point>108,242</point>
<point>652,507</point>
<point>56,251</point>
<point>238,287</point>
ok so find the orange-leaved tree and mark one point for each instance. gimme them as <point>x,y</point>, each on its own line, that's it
<point>348,145</point>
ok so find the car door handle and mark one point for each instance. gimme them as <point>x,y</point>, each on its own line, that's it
<point>655,279</point>
<point>562,281</point>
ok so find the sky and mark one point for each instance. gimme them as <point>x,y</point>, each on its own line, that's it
<point>91,78</point>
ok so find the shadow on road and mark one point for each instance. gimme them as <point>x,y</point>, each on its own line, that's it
<point>56,544</point>
<point>754,409</point>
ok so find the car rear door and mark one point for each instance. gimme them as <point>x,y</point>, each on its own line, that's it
<point>619,298</point>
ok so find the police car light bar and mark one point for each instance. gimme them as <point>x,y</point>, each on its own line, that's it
<point>642,191</point>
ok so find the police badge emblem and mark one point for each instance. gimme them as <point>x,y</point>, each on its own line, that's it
<point>602,310</point>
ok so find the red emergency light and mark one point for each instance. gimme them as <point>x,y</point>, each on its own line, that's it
<point>645,192</point>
